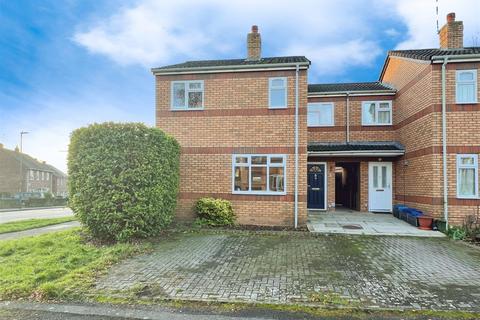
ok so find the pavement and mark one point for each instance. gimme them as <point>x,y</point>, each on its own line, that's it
<point>344,221</point>
<point>44,213</point>
<point>304,268</point>
<point>39,231</point>
<point>40,311</point>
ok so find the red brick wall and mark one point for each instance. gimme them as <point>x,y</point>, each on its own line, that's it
<point>419,125</point>
<point>236,119</point>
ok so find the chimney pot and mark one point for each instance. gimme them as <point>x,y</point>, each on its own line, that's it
<point>255,29</point>
<point>451,17</point>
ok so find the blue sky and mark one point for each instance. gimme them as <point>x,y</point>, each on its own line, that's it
<point>65,64</point>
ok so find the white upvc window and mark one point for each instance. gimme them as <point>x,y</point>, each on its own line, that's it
<point>377,113</point>
<point>466,86</point>
<point>31,174</point>
<point>277,93</point>
<point>467,176</point>
<point>259,174</point>
<point>187,95</point>
<point>320,114</point>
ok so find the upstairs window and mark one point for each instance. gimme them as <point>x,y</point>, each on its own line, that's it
<point>467,176</point>
<point>277,93</point>
<point>320,114</point>
<point>466,86</point>
<point>187,95</point>
<point>377,113</point>
<point>259,174</point>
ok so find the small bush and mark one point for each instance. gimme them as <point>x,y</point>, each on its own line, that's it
<point>214,212</point>
<point>123,179</point>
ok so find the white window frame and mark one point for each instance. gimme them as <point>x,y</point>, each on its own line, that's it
<point>467,166</point>
<point>268,166</point>
<point>187,90</point>
<point>458,83</point>
<point>285,88</point>
<point>322,104</point>
<point>377,107</point>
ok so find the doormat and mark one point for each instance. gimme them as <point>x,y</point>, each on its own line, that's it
<point>352,226</point>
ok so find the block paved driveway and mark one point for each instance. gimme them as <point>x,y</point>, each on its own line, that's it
<point>391,272</point>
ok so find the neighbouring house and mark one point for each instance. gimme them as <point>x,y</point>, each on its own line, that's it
<point>255,132</point>
<point>20,173</point>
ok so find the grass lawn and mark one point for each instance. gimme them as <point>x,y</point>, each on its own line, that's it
<point>31,224</point>
<point>60,265</point>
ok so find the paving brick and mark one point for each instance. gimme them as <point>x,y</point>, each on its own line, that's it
<point>397,272</point>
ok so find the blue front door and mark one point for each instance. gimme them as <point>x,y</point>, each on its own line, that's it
<point>316,186</point>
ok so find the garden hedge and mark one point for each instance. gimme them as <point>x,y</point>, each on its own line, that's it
<point>123,179</point>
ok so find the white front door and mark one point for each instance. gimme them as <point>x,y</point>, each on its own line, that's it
<point>380,186</point>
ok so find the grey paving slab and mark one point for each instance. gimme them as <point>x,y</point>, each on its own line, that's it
<point>39,231</point>
<point>387,272</point>
<point>370,223</point>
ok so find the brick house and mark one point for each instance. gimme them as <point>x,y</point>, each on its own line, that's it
<point>253,131</point>
<point>20,173</point>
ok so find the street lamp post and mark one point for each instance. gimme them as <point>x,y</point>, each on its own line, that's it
<point>21,139</point>
<point>21,159</point>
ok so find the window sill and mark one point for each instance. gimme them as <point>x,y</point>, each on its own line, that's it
<point>259,193</point>
<point>275,108</point>
<point>466,103</point>
<point>376,124</point>
<point>321,126</point>
<point>191,109</point>
<point>468,197</point>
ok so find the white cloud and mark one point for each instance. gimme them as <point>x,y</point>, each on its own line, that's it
<point>392,32</point>
<point>419,17</point>
<point>154,32</point>
<point>337,58</point>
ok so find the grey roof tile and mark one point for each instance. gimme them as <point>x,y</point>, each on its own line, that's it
<point>235,62</point>
<point>348,87</point>
<point>427,54</point>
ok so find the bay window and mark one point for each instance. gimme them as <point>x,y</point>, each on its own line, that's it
<point>258,174</point>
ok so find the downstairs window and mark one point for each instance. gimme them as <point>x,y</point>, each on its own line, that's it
<point>467,176</point>
<point>258,174</point>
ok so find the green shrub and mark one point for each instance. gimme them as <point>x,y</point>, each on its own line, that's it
<point>214,212</point>
<point>123,179</point>
<point>457,233</point>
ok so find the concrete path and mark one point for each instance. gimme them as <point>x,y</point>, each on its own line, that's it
<point>305,268</point>
<point>16,215</point>
<point>50,311</point>
<point>364,223</point>
<point>39,231</point>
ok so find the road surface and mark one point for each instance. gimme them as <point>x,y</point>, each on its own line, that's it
<point>18,215</point>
